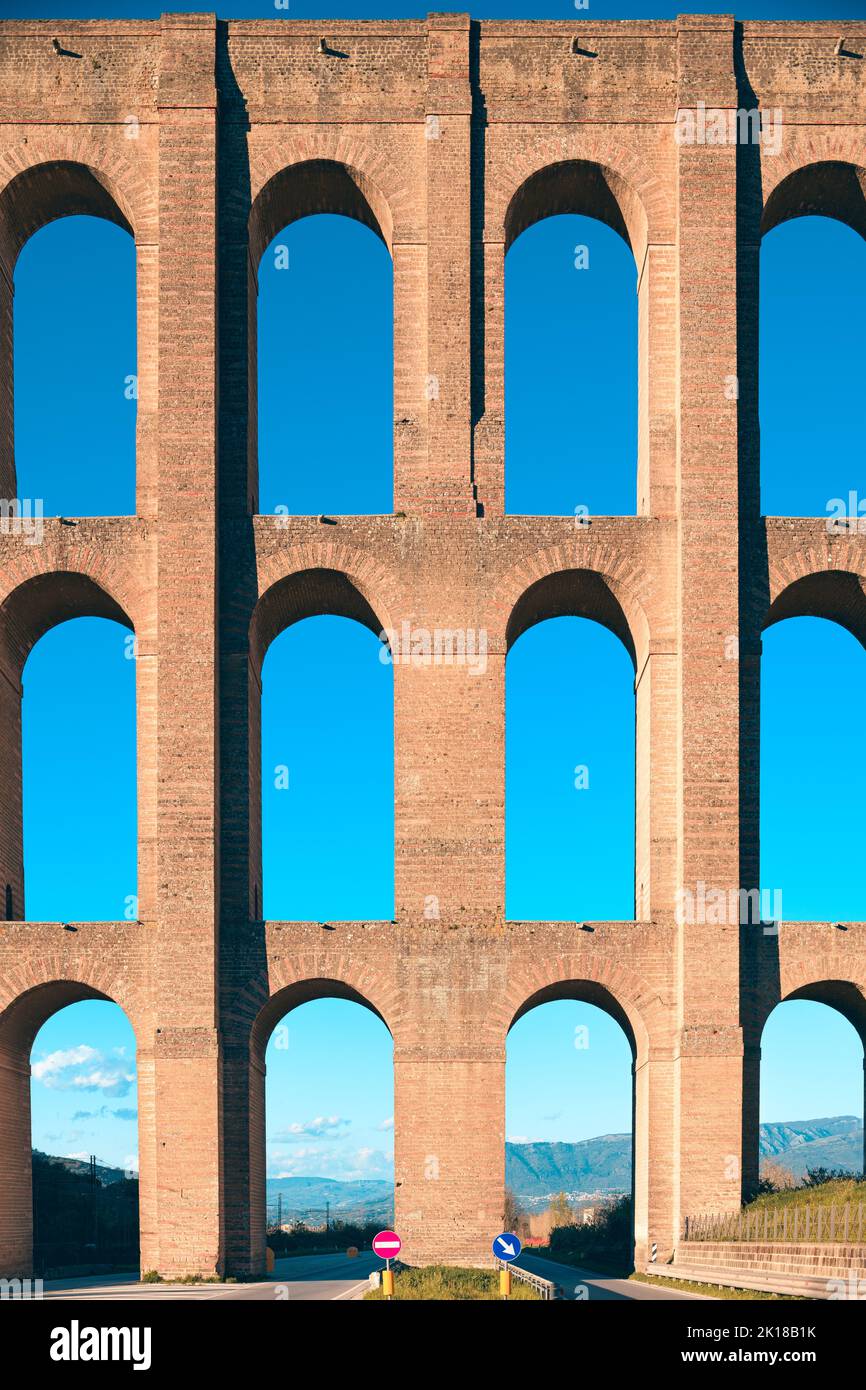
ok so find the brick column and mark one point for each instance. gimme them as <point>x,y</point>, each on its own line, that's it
<point>657,382</point>
<point>655,780</point>
<point>11,826</point>
<point>449,1099</point>
<point>16,1189</point>
<point>446,488</point>
<point>185,1049</point>
<point>449,817</point>
<point>710,1048</point>
<point>146,420</point>
<point>8,484</point>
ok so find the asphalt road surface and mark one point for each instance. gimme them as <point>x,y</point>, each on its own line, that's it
<point>303,1277</point>
<point>337,1277</point>
<point>597,1287</point>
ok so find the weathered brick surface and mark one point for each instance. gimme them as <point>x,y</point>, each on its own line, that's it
<point>449,138</point>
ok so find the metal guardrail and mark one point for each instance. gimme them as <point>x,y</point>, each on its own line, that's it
<point>836,1221</point>
<point>548,1290</point>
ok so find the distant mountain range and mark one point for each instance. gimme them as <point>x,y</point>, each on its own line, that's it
<point>365,1200</point>
<point>592,1167</point>
<point>536,1172</point>
<point>802,1144</point>
<point>105,1174</point>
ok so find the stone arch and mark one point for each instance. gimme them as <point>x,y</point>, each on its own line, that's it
<point>800,973</point>
<point>30,607</point>
<point>40,183</point>
<point>590,582</point>
<point>600,584</point>
<point>32,993</point>
<point>822,176</point>
<point>831,184</point>
<point>329,171</point>
<point>29,996</point>
<point>579,173</point>
<point>837,595</point>
<point>822,982</point>
<point>288,982</point>
<point>48,179</point>
<point>45,599</point>
<point>798,586</point>
<point>318,185</point>
<point>582,172</point>
<point>291,981</point>
<point>317,590</point>
<point>634,1004</point>
<point>576,186</point>
<point>640,1012</point>
<point>312,175</point>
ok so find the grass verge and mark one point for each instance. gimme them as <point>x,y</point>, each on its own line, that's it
<point>450,1282</point>
<point>717,1291</point>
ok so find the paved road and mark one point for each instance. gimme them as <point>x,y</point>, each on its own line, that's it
<point>303,1277</point>
<point>598,1286</point>
<point>336,1277</point>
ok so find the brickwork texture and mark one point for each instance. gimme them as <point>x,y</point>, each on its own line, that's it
<point>448,137</point>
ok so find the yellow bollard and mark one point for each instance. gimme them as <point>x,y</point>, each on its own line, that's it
<point>505,1282</point>
<point>388,1283</point>
<point>269,1260</point>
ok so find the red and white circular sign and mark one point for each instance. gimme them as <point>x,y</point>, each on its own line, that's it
<point>387,1245</point>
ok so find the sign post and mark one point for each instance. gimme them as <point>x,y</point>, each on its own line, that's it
<point>506,1248</point>
<point>387,1245</point>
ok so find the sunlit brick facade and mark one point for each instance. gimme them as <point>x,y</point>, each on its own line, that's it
<point>449,138</point>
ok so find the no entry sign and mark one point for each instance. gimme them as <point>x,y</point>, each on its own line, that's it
<point>387,1245</point>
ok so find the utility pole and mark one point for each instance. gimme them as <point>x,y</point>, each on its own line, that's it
<point>94,1187</point>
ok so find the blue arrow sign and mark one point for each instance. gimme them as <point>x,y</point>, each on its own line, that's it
<point>507,1247</point>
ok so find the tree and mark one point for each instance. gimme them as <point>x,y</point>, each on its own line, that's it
<point>561,1213</point>
<point>775,1177</point>
<point>512,1215</point>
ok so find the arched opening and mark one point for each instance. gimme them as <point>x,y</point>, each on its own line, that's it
<point>79,774</point>
<point>813,678</point>
<point>322,365</point>
<point>321,753</point>
<point>69,389</point>
<point>569,763</point>
<point>68,1135</point>
<point>811,1088</point>
<point>85,1142</point>
<point>322,1146</point>
<point>327,774</point>
<point>812,365</point>
<point>575,242</point>
<point>570,1124</point>
<point>570,370</point>
<point>80,684</point>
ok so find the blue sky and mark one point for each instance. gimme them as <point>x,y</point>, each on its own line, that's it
<point>570,354</point>
<point>406,9</point>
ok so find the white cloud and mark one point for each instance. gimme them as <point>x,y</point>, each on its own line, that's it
<point>387,1124</point>
<point>323,1126</point>
<point>57,1062</point>
<point>83,1068</point>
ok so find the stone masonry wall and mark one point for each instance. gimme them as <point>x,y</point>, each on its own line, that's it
<point>449,137</point>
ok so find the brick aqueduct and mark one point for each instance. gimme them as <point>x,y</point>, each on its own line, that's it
<point>449,138</point>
